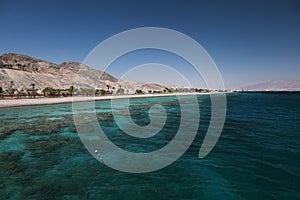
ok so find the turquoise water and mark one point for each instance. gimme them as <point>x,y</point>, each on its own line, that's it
<point>257,156</point>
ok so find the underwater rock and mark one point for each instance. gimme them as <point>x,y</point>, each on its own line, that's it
<point>14,156</point>
<point>47,145</point>
<point>38,188</point>
<point>9,162</point>
<point>39,126</point>
<point>9,166</point>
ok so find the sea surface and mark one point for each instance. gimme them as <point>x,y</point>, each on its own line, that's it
<point>256,157</point>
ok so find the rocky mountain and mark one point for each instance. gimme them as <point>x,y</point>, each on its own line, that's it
<point>274,85</point>
<point>24,70</point>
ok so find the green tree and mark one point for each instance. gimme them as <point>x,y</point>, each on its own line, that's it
<point>51,92</point>
<point>101,92</point>
<point>139,91</point>
<point>71,90</point>
<point>168,90</point>
<point>88,91</point>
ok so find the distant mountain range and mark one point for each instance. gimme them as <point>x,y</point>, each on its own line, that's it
<point>25,70</point>
<point>273,85</point>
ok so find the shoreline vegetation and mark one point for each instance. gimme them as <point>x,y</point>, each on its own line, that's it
<point>41,100</point>
<point>51,96</point>
<point>12,96</point>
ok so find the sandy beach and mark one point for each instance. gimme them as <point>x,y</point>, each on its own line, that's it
<point>5,103</point>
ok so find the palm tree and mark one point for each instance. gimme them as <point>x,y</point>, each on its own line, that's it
<point>71,90</point>
<point>113,89</point>
<point>12,85</point>
<point>32,85</point>
<point>33,89</point>
<point>19,94</point>
<point>1,93</point>
<point>12,89</point>
<point>120,90</point>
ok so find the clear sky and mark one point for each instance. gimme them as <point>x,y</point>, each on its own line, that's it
<point>249,41</point>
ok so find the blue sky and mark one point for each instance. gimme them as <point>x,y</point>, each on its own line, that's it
<point>250,41</point>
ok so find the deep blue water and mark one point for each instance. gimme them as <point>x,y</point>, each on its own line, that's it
<point>257,156</point>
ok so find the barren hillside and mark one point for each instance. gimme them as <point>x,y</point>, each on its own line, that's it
<point>24,70</point>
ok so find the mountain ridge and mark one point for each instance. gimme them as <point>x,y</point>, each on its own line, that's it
<point>273,85</point>
<point>25,70</point>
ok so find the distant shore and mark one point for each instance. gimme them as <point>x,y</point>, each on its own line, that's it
<point>6,103</point>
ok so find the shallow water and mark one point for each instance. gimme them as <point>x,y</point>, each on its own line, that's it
<point>257,156</point>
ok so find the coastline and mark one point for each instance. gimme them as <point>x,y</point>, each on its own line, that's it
<point>7,103</point>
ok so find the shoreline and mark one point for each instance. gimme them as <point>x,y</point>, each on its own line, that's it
<point>8,103</point>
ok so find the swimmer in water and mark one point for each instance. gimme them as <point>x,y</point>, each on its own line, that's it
<point>99,156</point>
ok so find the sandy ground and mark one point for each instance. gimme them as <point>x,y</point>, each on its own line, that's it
<point>5,103</point>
